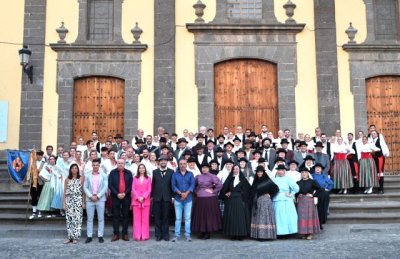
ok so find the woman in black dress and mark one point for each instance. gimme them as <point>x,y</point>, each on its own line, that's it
<point>236,194</point>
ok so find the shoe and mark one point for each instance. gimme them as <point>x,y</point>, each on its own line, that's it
<point>321,227</point>
<point>188,239</point>
<point>39,215</point>
<point>88,240</point>
<point>175,239</point>
<point>75,242</point>
<point>67,241</point>
<point>49,216</point>
<point>340,192</point>
<point>115,238</point>
<point>207,236</point>
<point>370,190</point>
<point>309,237</point>
<point>345,191</point>
<point>202,235</point>
<point>32,216</point>
<point>381,192</point>
<point>158,239</point>
<point>101,240</point>
<point>125,238</point>
<point>166,238</point>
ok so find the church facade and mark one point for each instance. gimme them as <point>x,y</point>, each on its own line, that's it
<point>118,65</point>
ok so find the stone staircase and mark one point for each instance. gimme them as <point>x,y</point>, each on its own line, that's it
<point>367,208</point>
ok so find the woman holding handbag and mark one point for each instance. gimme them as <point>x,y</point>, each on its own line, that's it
<point>308,222</point>
<point>49,175</point>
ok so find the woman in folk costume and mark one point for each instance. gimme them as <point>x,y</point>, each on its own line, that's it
<point>308,221</point>
<point>222,176</point>
<point>246,170</point>
<point>368,169</point>
<point>326,185</point>
<point>236,194</point>
<point>310,143</point>
<point>342,177</point>
<point>214,165</point>
<point>192,167</point>
<point>262,217</point>
<point>50,176</point>
<point>73,203</point>
<point>283,203</point>
<point>206,216</point>
<point>63,165</point>
<point>293,173</point>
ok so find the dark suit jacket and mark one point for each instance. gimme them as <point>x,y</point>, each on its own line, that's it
<point>176,153</point>
<point>161,186</point>
<point>225,158</point>
<point>113,182</point>
<point>271,158</point>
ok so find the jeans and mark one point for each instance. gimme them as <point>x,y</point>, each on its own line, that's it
<point>186,208</point>
<point>99,207</point>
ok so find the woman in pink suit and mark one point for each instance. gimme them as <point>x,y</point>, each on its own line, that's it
<point>141,189</point>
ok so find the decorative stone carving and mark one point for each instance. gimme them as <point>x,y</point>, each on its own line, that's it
<point>351,33</point>
<point>62,33</point>
<point>136,31</point>
<point>289,7</point>
<point>199,7</point>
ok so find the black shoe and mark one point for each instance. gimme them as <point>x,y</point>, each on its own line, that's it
<point>166,238</point>
<point>88,240</point>
<point>321,227</point>
<point>207,236</point>
<point>101,240</point>
<point>381,192</point>
<point>202,235</point>
<point>158,239</point>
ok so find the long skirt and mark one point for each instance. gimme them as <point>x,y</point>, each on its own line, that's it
<point>368,173</point>
<point>206,215</point>
<point>263,219</point>
<point>342,178</point>
<point>57,202</point>
<point>308,216</point>
<point>236,221</point>
<point>323,205</point>
<point>285,217</point>
<point>46,197</point>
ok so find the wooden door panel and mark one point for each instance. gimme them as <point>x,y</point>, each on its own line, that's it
<point>98,106</point>
<point>383,108</point>
<point>245,93</point>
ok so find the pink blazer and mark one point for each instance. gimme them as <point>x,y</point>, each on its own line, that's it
<point>141,190</point>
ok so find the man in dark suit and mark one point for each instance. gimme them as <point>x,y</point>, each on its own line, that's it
<point>117,145</point>
<point>161,195</point>
<point>322,158</point>
<point>268,153</point>
<point>120,185</point>
<point>289,153</point>
<point>182,147</point>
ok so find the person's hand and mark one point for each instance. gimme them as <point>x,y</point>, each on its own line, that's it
<point>131,207</point>
<point>228,194</point>
<point>209,190</point>
<point>140,199</point>
<point>121,195</point>
<point>94,198</point>
<point>183,196</point>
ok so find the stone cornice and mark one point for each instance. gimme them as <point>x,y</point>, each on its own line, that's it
<point>223,27</point>
<point>99,47</point>
<point>371,47</point>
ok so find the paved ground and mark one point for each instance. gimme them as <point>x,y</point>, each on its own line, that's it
<point>336,241</point>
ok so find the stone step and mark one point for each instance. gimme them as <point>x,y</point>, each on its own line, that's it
<point>17,200</point>
<point>365,197</point>
<point>364,218</point>
<point>365,207</point>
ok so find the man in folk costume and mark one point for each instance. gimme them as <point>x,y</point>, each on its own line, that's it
<point>353,161</point>
<point>229,154</point>
<point>380,156</point>
<point>37,163</point>
<point>326,145</point>
<point>220,141</point>
<point>182,147</point>
<point>200,142</point>
<point>139,135</point>
<point>317,136</point>
<point>299,156</point>
<point>200,158</point>
<point>210,151</point>
<point>289,153</point>
<point>117,146</point>
<point>210,136</point>
<point>322,158</point>
<point>289,138</point>
<point>248,149</point>
<point>239,133</point>
<point>219,157</point>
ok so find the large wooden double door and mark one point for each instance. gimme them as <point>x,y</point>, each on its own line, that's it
<point>98,106</point>
<point>246,94</point>
<point>383,110</point>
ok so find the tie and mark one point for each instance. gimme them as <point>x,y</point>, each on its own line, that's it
<point>121,188</point>
<point>266,155</point>
<point>163,173</point>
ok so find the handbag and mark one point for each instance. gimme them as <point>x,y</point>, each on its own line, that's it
<point>315,200</point>
<point>45,175</point>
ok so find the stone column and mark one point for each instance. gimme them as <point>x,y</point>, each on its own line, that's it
<point>164,64</point>
<point>30,131</point>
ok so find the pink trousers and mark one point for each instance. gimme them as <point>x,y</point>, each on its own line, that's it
<point>141,223</point>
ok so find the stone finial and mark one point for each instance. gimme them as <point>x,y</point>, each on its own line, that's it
<point>351,33</point>
<point>62,33</point>
<point>289,7</point>
<point>136,31</point>
<point>199,7</point>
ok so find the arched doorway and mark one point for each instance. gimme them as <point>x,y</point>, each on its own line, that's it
<point>246,94</point>
<point>383,110</point>
<point>98,106</point>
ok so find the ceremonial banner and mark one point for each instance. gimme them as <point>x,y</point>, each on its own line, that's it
<point>18,164</point>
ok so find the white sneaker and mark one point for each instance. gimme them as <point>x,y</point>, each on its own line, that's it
<point>32,216</point>
<point>39,215</point>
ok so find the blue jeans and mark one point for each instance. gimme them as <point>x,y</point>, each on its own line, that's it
<point>99,207</point>
<point>186,208</point>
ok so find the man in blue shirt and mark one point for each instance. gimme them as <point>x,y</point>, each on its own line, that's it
<point>182,182</point>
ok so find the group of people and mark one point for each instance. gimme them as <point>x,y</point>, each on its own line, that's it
<point>243,184</point>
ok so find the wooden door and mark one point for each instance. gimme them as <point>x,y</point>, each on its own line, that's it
<point>98,106</point>
<point>246,94</point>
<point>383,110</point>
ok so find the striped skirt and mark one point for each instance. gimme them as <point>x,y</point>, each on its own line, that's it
<point>308,222</point>
<point>368,173</point>
<point>342,178</point>
<point>263,219</point>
